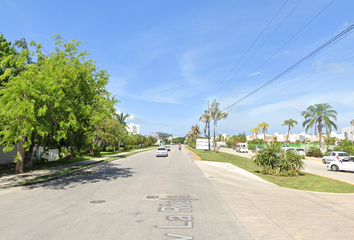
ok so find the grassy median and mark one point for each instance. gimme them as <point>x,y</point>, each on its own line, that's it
<point>306,181</point>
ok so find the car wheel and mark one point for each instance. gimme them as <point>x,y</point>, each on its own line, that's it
<point>334,168</point>
<point>323,161</point>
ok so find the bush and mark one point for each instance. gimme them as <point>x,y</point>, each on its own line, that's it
<point>276,162</point>
<point>109,149</point>
<point>314,151</point>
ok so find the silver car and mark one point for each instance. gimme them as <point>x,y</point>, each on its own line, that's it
<point>161,151</point>
<point>332,156</point>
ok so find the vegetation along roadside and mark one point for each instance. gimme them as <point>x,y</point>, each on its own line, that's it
<point>304,181</point>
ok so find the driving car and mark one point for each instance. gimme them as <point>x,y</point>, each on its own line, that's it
<point>335,155</point>
<point>161,151</point>
<point>345,164</point>
<point>168,147</point>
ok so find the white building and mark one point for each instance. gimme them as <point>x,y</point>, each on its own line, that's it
<point>132,128</point>
<point>348,132</point>
<point>160,136</point>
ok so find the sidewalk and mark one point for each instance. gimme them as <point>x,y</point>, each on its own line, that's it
<point>13,180</point>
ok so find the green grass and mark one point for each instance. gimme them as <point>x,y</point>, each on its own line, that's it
<point>305,181</point>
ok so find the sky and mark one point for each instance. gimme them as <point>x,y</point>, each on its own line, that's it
<point>168,58</point>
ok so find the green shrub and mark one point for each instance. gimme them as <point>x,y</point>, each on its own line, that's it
<point>314,151</point>
<point>274,161</point>
<point>109,149</point>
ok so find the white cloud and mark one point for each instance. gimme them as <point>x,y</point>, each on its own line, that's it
<point>253,74</point>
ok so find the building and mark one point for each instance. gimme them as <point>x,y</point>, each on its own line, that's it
<point>160,136</point>
<point>132,128</point>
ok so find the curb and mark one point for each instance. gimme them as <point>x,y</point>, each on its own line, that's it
<point>194,155</point>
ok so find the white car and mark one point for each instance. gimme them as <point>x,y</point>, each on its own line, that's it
<point>332,156</point>
<point>346,164</point>
<point>243,150</point>
<point>161,151</point>
<point>168,147</point>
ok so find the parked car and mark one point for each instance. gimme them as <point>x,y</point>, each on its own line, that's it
<point>345,164</point>
<point>257,149</point>
<point>331,156</point>
<point>243,150</point>
<point>300,151</point>
<point>240,146</point>
<point>161,151</point>
<point>235,145</point>
<point>168,147</point>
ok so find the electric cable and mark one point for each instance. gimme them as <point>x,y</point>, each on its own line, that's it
<point>278,49</point>
<point>246,52</point>
<point>332,41</point>
<point>303,79</point>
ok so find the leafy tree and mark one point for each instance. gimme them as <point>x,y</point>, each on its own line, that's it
<point>178,139</point>
<point>62,93</point>
<point>192,135</point>
<point>7,62</point>
<point>216,115</point>
<point>319,116</point>
<point>290,123</point>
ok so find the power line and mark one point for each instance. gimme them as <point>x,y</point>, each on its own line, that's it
<point>304,79</point>
<point>246,52</point>
<point>279,48</point>
<point>332,41</point>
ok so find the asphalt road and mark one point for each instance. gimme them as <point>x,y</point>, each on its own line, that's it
<point>144,197</point>
<point>140,197</point>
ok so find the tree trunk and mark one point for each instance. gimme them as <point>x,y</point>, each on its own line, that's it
<point>287,139</point>
<point>29,153</point>
<point>20,153</point>
<point>214,139</point>
<point>320,135</point>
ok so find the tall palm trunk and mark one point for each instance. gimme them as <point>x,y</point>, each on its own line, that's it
<point>320,135</point>
<point>287,139</point>
<point>214,137</point>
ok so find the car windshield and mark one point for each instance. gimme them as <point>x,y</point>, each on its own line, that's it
<point>161,149</point>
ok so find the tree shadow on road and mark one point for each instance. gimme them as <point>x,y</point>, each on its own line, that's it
<point>103,172</point>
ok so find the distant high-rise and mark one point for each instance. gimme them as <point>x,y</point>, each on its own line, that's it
<point>132,128</point>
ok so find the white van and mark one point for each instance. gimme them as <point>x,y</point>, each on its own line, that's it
<point>240,146</point>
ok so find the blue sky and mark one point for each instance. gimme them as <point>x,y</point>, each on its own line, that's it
<point>166,57</point>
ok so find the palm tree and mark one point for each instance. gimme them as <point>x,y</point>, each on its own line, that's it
<point>289,123</point>
<point>263,127</point>
<point>328,140</point>
<point>319,116</point>
<point>216,115</point>
<point>121,118</point>
<point>255,132</point>
<point>205,118</point>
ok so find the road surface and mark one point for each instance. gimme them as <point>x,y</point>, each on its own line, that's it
<point>174,197</point>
